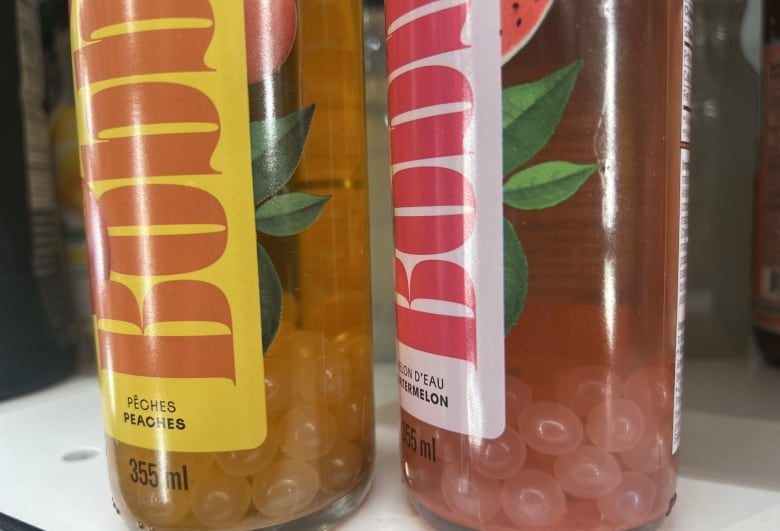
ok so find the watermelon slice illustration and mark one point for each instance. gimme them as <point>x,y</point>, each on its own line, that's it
<point>519,21</point>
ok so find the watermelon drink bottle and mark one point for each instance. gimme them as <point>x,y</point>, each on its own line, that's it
<point>224,175</point>
<point>540,168</point>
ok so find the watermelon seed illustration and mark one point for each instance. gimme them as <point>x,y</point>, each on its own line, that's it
<point>519,21</point>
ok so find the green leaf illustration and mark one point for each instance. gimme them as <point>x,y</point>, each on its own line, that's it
<point>270,297</point>
<point>531,113</point>
<point>515,277</point>
<point>288,214</point>
<point>277,148</point>
<point>546,184</point>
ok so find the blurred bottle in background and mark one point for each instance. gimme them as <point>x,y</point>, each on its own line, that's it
<point>766,257</point>
<point>36,336</point>
<point>65,167</point>
<point>723,164</point>
<point>382,249</point>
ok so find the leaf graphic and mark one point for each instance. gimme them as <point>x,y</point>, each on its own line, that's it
<point>270,297</point>
<point>515,277</point>
<point>277,148</point>
<point>288,214</point>
<point>546,184</point>
<point>532,111</point>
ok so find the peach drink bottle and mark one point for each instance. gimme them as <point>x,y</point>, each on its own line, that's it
<point>224,176</point>
<point>539,157</point>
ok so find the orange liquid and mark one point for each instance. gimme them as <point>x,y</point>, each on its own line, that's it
<point>320,444</point>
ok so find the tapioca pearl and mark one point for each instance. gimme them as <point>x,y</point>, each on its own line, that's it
<point>582,388</point>
<point>162,506</point>
<point>285,488</point>
<point>357,348</point>
<point>616,425</point>
<point>550,428</point>
<point>587,472</point>
<point>340,468</point>
<point>308,432</point>
<point>498,458</point>
<point>630,502</point>
<point>327,377</point>
<point>220,500</point>
<point>469,493</point>
<point>420,475</point>
<point>298,347</point>
<point>652,452</point>
<point>532,498</point>
<point>352,416</point>
<point>518,395</point>
<point>653,389</point>
<point>249,462</point>
<point>278,393</point>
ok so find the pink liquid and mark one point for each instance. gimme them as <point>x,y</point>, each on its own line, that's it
<point>590,365</point>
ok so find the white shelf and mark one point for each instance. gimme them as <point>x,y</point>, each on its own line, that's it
<point>730,473</point>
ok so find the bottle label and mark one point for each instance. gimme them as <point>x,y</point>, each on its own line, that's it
<point>446,175</point>
<point>475,141</point>
<point>766,274</point>
<point>165,154</point>
<point>685,174</point>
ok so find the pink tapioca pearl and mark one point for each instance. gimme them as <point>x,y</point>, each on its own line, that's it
<point>587,472</point>
<point>532,498</point>
<point>420,474</point>
<point>584,387</point>
<point>550,428</point>
<point>616,425</point>
<point>498,458</point>
<point>518,395</point>
<point>630,503</point>
<point>469,493</point>
<point>652,388</point>
<point>652,452</point>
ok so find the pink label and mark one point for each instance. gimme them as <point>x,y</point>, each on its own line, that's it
<point>444,63</point>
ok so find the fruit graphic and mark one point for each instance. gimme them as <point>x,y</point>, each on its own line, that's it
<point>270,34</point>
<point>519,21</point>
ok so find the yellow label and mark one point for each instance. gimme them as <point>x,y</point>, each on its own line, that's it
<point>161,91</point>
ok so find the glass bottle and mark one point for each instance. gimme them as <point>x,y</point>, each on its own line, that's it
<point>551,398</point>
<point>766,262</point>
<point>381,207</point>
<point>37,345</point>
<point>224,169</point>
<point>724,129</point>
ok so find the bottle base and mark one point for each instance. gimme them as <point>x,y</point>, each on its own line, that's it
<point>443,524</point>
<point>331,514</point>
<point>321,519</point>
